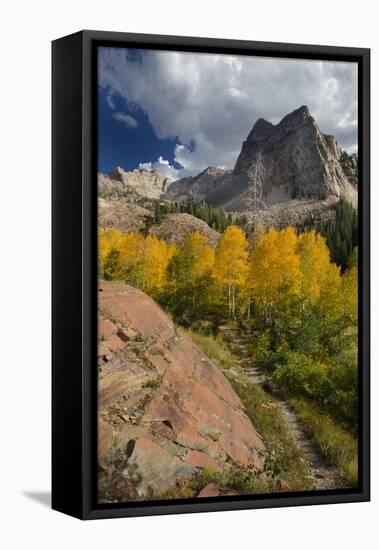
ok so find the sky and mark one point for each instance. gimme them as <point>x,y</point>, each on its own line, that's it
<point>181,112</point>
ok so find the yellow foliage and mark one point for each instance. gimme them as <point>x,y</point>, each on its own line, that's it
<point>274,271</point>
<point>231,257</point>
<point>135,259</point>
<point>314,262</point>
<point>281,270</point>
<point>230,268</point>
<point>330,303</point>
<point>203,255</point>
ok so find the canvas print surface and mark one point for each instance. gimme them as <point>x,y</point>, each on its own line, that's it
<point>227,275</point>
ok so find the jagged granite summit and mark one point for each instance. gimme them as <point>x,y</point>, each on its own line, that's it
<point>299,160</point>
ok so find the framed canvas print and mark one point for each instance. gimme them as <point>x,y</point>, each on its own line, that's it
<point>210,274</point>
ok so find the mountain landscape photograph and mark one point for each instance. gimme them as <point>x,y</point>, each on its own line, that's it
<point>227,275</point>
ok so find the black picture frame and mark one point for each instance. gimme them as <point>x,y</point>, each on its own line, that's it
<point>74,273</point>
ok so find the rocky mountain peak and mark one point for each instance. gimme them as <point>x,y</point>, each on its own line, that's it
<point>297,119</point>
<point>299,160</point>
<point>262,129</point>
<point>301,114</point>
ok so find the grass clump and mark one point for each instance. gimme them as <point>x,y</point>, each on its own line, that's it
<point>215,348</point>
<point>245,480</point>
<point>153,383</point>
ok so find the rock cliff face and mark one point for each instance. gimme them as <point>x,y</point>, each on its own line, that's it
<point>165,411</point>
<point>197,187</point>
<point>140,183</point>
<point>299,160</point>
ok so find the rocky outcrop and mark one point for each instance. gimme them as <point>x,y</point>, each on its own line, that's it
<point>122,214</point>
<point>175,227</point>
<point>165,411</point>
<point>149,184</point>
<point>298,158</point>
<point>197,187</point>
<point>297,213</point>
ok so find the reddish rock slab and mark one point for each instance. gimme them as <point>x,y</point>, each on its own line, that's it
<point>114,343</point>
<point>104,438</point>
<point>214,490</point>
<point>183,424</point>
<point>129,306</point>
<point>238,438</point>
<point>158,362</point>
<point>202,460</point>
<point>106,328</point>
<point>121,382</point>
<point>210,490</point>
<point>211,377</point>
<point>152,469</point>
<point>129,333</point>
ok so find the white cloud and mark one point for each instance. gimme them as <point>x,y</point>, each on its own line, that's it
<point>128,120</point>
<point>111,102</point>
<point>209,103</point>
<point>164,167</point>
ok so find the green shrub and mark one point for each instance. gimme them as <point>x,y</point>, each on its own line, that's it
<point>333,385</point>
<point>303,376</point>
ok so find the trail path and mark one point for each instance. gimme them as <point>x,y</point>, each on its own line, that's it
<point>323,475</point>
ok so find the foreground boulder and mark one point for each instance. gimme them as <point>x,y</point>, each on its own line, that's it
<point>165,410</point>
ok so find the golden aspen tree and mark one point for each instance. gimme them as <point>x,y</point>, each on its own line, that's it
<point>156,256</point>
<point>330,302</point>
<point>314,262</point>
<point>110,244</point>
<point>230,267</point>
<point>203,254</point>
<point>132,252</point>
<point>193,258</point>
<point>274,271</point>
